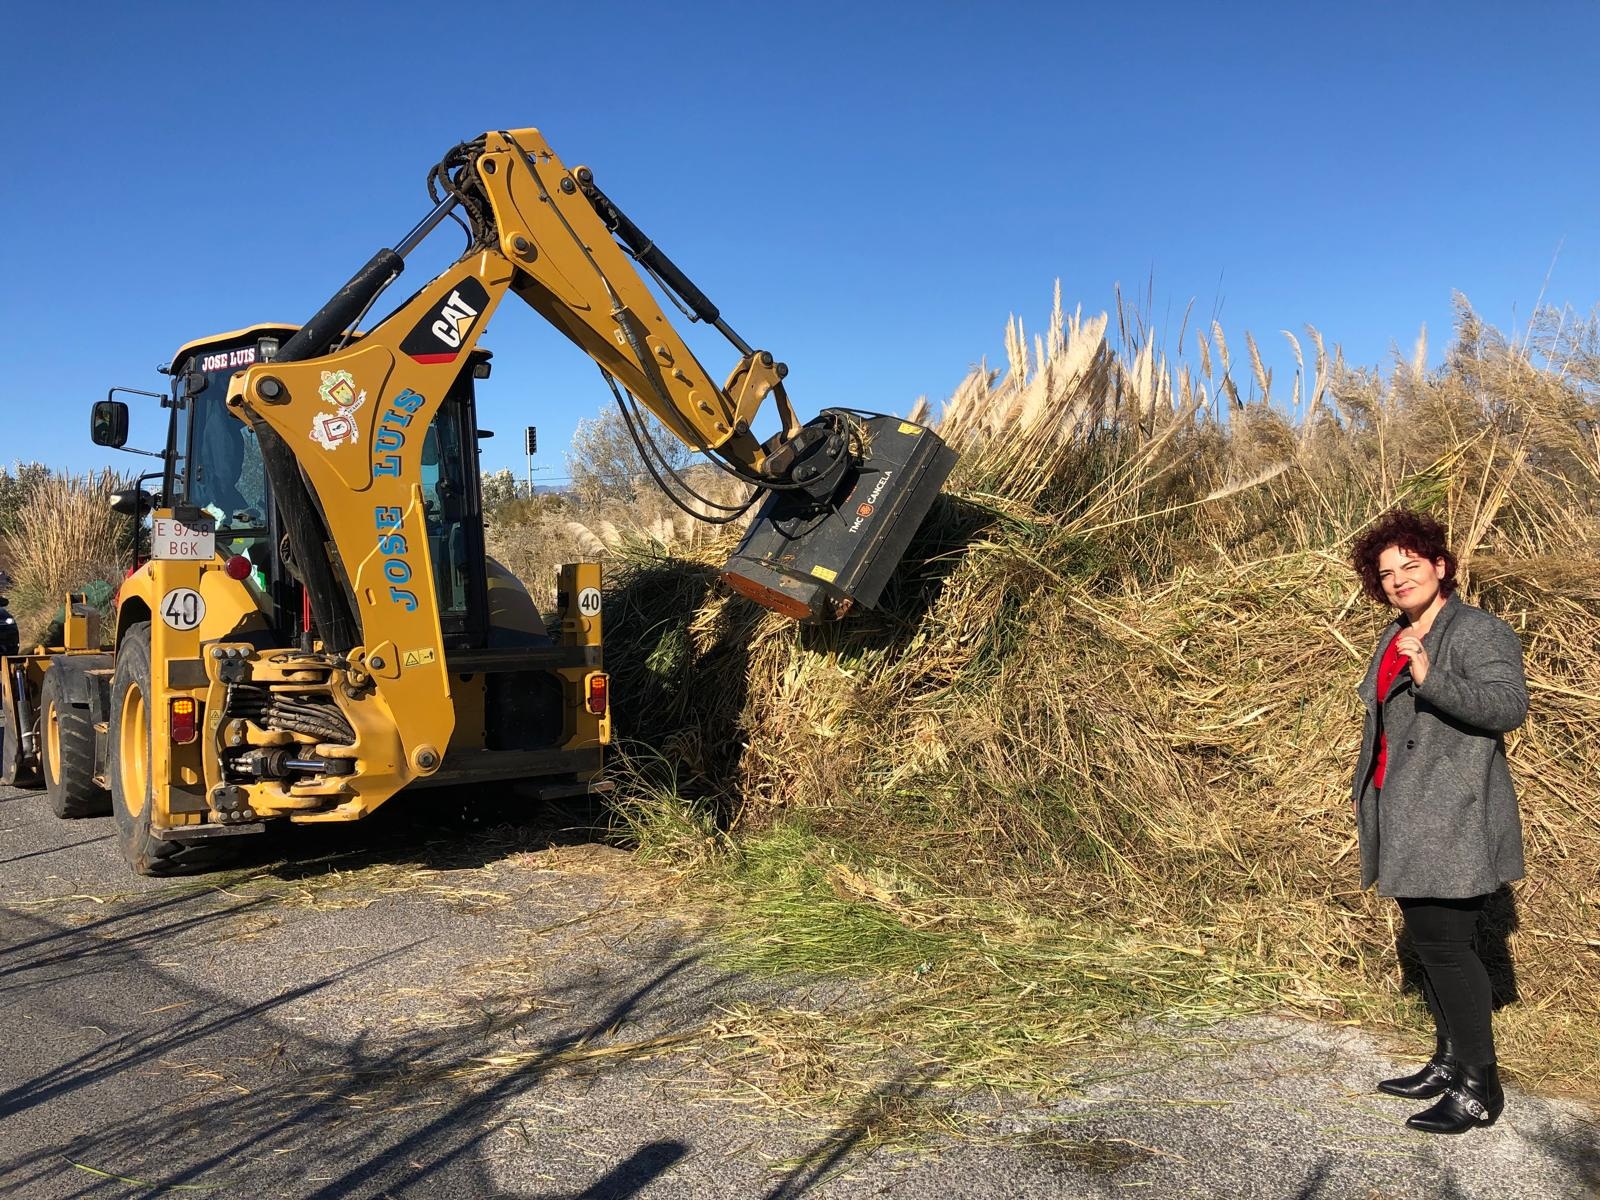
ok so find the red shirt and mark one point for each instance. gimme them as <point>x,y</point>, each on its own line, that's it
<point>1388,672</point>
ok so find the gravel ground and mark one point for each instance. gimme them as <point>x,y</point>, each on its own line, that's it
<point>426,1010</point>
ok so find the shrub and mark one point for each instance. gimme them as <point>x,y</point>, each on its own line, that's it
<point>63,538</point>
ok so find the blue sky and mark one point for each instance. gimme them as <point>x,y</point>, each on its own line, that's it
<point>868,190</point>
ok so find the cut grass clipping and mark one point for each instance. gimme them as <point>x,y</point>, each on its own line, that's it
<point>1090,762</point>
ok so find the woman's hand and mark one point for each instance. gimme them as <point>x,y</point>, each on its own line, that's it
<point>1410,646</point>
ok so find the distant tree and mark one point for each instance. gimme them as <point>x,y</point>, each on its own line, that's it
<point>524,512</point>
<point>500,488</point>
<point>18,482</point>
<point>604,462</point>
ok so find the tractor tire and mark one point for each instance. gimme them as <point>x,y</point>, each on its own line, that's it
<point>67,755</point>
<point>13,772</point>
<point>129,757</point>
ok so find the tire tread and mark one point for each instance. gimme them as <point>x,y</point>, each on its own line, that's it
<point>75,794</point>
<point>146,854</point>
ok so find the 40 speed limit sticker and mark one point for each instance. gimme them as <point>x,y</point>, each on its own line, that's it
<point>589,602</point>
<point>182,608</point>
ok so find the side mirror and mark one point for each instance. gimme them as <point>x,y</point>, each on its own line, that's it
<point>131,502</point>
<point>4,600</point>
<point>108,424</point>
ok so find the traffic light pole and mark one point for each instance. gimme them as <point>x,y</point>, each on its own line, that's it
<point>530,443</point>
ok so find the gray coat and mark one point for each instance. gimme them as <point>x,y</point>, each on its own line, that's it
<point>1446,824</point>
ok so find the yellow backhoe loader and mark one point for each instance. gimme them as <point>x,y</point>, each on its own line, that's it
<point>311,623</point>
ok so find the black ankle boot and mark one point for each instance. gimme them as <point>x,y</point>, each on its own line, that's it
<point>1474,1098</point>
<point>1437,1073</point>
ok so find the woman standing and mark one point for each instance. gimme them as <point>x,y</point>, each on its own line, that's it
<point>1435,808</point>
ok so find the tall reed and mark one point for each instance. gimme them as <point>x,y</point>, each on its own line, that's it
<point>1108,706</point>
<point>64,537</point>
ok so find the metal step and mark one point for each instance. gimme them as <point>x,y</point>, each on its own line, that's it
<point>201,833</point>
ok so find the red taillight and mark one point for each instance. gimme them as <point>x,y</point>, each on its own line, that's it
<point>182,714</point>
<point>597,694</point>
<point>238,567</point>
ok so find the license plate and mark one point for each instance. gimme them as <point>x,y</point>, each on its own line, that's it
<point>173,539</point>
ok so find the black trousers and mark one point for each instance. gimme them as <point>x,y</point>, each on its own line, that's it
<point>1454,979</point>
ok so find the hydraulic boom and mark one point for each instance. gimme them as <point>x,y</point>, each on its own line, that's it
<point>840,494</point>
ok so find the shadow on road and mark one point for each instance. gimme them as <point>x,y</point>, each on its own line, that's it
<point>55,849</point>
<point>184,1087</point>
<point>886,1106</point>
<point>446,828</point>
<point>628,1178</point>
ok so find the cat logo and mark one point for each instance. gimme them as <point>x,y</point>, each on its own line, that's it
<point>441,333</point>
<point>455,321</point>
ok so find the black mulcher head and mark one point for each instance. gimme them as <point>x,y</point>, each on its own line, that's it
<point>814,561</point>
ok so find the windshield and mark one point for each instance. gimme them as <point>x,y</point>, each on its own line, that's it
<point>447,505</point>
<point>225,473</point>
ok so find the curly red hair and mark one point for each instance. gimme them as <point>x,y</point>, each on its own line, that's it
<point>1413,532</point>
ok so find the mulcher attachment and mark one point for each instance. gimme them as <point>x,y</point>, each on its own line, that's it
<point>813,559</point>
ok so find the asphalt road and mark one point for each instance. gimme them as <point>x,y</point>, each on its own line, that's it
<point>430,1010</point>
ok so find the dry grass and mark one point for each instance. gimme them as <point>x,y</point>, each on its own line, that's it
<point>65,537</point>
<point>1092,758</point>
<point>532,540</point>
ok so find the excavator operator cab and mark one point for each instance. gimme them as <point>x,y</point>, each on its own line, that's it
<point>214,464</point>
